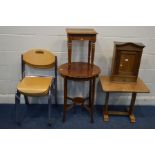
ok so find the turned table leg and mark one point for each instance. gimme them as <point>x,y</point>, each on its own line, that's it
<point>65,99</point>
<point>69,52</point>
<point>92,52</point>
<point>89,51</point>
<point>131,109</point>
<point>105,110</point>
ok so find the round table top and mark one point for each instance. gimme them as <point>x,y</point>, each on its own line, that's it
<point>79,70</point>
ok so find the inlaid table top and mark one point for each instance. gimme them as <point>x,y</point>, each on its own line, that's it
<point>137,87</point>
<point>79,70</point>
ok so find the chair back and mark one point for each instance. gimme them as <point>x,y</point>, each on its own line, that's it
<point>39,58</point>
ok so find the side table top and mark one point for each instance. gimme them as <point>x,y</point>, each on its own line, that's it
<point>137,87</point>
<point>79,70</point>
<point>80,31</point>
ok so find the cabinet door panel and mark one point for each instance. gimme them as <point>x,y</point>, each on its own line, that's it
<point>128,62</point>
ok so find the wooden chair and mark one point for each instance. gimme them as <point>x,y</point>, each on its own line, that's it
<point>35,86</point>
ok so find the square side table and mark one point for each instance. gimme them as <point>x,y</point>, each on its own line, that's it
<point>112,87</point>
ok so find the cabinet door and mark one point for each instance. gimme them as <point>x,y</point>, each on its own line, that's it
<point>128,63</point>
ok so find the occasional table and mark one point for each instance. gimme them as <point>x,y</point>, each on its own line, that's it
<point>113,87</point>
<point>82,35</point>
<point>79,71</point>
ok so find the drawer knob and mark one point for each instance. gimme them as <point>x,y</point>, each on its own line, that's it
<point>126,60</point>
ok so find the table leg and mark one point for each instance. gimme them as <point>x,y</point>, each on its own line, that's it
<point>89,51</point>
<point>92,100</point>
<point>69,52</point>
<point>105,110</point>
<point>92,52</point>
<point>90,91</point>
<point>65,99</point>
<point>131,109</point>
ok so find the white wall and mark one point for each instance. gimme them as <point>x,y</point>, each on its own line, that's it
<point>16,40</point>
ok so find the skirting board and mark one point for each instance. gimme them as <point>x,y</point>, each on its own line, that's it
<point>123,100</point>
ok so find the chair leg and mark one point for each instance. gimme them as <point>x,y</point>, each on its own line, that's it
<point>26,100</point>
<point>49,108</point>
<point>55,81</point>
<point>17,102</point>
<point>56,102</point>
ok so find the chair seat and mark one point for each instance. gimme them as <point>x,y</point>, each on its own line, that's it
<point>35,86</point>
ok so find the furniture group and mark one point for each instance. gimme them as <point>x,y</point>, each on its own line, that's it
<point>123,79</point>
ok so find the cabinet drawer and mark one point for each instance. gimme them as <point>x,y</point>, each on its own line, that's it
<point>82,37</point>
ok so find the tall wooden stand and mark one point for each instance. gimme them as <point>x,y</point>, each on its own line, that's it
<point>80,71</point>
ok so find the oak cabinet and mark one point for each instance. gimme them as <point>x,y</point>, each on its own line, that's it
<point>126,61</point>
